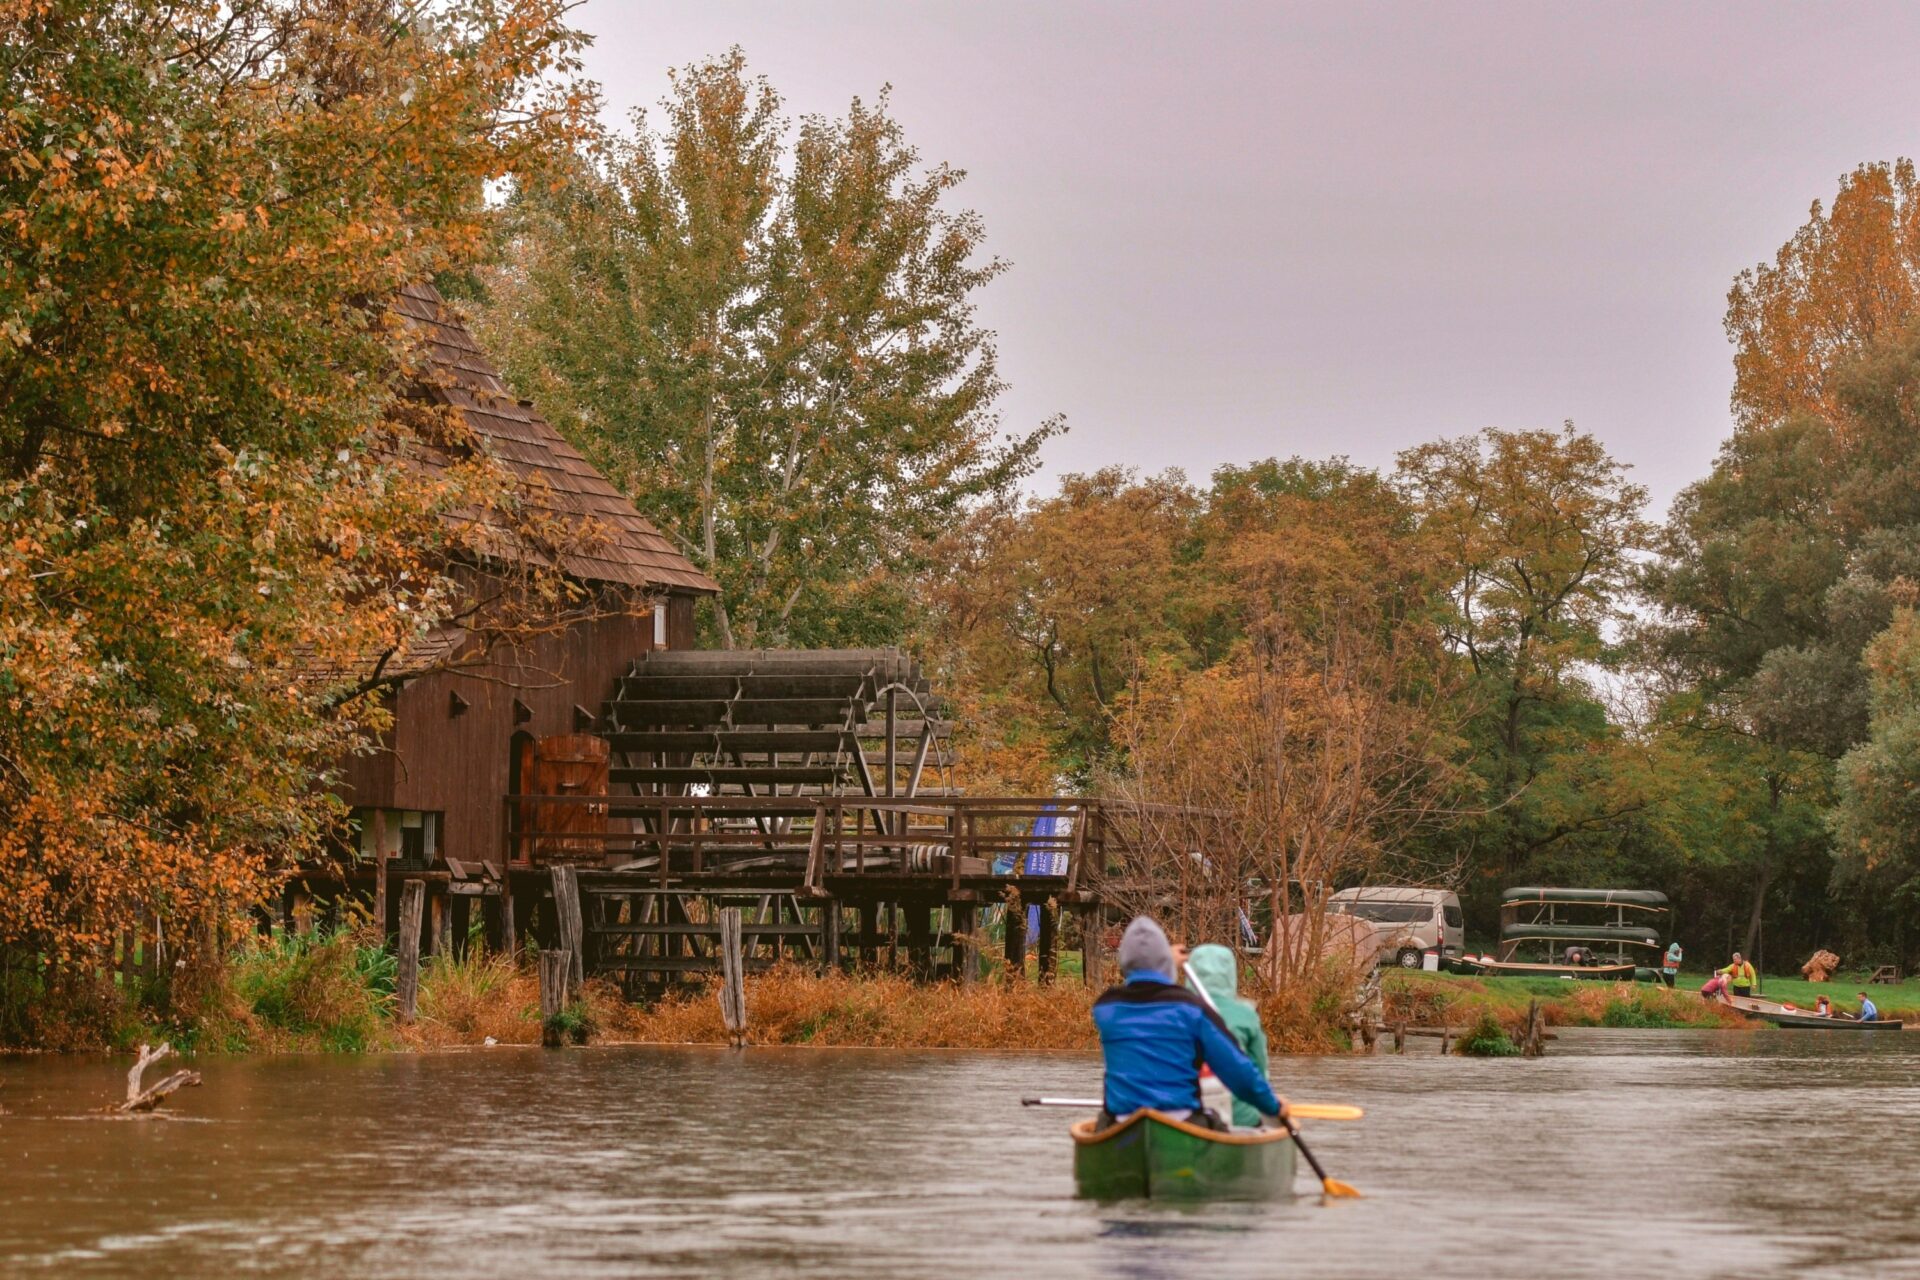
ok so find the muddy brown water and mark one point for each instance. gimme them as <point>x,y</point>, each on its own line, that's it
<point>1651,1154</point>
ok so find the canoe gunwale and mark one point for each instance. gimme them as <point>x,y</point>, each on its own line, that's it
<point>1565,896</point>
<point>1085,1135</point>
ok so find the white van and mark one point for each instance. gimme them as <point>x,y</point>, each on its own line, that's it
<point>1407,923</point>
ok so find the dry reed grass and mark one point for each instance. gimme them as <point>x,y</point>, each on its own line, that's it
<point>466,1001</point>
<point>791,1005</point>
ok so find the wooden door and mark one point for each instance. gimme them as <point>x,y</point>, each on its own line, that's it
<point>573,829</point>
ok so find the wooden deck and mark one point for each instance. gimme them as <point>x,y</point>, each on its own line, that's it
<point>829,881</point>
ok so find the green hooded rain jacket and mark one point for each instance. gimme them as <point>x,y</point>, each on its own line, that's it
<point>1219,973</point>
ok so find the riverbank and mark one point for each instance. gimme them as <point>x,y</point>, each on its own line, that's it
<point>334,993</point>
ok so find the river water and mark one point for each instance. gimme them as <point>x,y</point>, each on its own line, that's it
<point>1646,1154</point>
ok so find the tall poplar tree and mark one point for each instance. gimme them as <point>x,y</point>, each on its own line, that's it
<point>767,337</point>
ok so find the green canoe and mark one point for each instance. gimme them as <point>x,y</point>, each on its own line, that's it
<point>1150,1154</point>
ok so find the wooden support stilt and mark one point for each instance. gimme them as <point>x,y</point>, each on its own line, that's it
<point>406,986</point>
<point>1016,941</point>
<point>869,934</point>
<point>460,912</point>
<point>966,947</point>
<point>437,902</point>
<point>733,990</point>
<point>509,940</point>
<point>1049,941</point>
<point>566,912</point>
<point>380,872</point>
<point>1093,946</point>
<point>829,935</point>
<point>920,939</point>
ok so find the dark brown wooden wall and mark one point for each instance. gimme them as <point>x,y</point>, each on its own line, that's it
<point>459,765</point>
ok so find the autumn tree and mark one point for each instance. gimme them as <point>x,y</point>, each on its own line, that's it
<point>1850,275</point>
<point>767,338</point>
<point>1313,756</point>
<point>203,482</point>
<point>1044,612</point>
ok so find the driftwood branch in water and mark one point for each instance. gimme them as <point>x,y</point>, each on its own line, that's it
<point>147,1099</point>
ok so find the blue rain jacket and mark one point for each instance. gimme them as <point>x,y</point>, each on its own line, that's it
<point>1155,1035</point>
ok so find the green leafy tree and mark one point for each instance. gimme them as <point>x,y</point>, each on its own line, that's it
<point>1539,530</point>
<point>767,338</point>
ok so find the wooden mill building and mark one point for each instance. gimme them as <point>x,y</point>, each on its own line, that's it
<point>601,782</point>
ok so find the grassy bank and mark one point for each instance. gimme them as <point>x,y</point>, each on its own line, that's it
<point>1435,998</point>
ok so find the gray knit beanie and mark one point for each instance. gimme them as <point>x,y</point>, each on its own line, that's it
<point>1144,949</point>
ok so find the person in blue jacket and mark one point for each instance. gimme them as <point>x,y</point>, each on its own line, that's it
<point>1869,1012</point>
<point>1156,1033</point>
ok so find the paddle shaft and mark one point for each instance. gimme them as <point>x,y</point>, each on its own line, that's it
<point>1298,1110</point>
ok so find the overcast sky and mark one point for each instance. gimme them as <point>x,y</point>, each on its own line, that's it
<point>1243,230</point>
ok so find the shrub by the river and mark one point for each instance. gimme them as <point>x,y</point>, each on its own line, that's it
<point>318,990</point>
<point>1486,1038</point>
<point>1309,1016</point>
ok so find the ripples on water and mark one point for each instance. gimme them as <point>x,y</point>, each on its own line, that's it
<point>1651,1155</point>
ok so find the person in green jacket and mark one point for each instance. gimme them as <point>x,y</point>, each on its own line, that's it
<point>1219,973</point>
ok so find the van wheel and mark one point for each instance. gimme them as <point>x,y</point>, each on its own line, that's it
<point>1409,958</point>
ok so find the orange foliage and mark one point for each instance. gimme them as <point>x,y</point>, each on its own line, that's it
<point>1847,276</point>
<point>201,209</point>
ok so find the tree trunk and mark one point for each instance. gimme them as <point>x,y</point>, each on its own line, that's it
<point>1753,915</point>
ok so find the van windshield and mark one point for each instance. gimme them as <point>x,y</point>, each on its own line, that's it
<point>1386,912</point>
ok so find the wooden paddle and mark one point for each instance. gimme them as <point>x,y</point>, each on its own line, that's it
<point>1298,1110</point>
<point>1331,1186</point>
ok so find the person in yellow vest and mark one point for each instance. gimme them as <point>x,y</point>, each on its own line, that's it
<point>1740,976</point>
<point>1737,978</point>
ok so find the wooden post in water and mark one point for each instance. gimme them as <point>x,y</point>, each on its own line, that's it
<point>556,970</point>
<point>406,986</point>
<point>1532,1039</point>
<point>733,987</point>
<point>566,912</point>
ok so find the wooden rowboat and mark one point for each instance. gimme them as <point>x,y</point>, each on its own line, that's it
<point>1781,1016</point>
<point>1152,1154</point>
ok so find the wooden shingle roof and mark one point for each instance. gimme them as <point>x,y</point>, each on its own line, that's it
<point>615,543</point>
